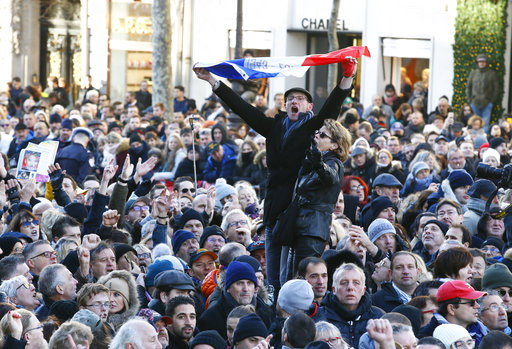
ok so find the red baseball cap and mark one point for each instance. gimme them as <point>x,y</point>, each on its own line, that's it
<point>457,289</point>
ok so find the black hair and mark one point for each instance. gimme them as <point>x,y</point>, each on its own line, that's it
<point>423,288</point>
<point>304,264</point>
<point>300,329</point>
<point>175,302</point>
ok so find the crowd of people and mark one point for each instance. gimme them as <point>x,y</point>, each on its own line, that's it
<point>320,224</point>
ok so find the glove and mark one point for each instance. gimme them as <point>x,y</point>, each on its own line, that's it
<point>315,156</point>
<point>56,179</point>
<point>349,67</point>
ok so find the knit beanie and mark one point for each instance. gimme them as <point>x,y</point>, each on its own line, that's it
<point>295,295</point>
<point>493,241</point>
<point>417,167</point>
<point>495,142</point>
<point>135,138</point>
<point>89,319</point>
<point>7,244</point>
<point>64,310</point>
<point>491,153</point>
<point>121,249</point>
<point>156,268</point>
<point>253,262</point>
<point>450,333</point>
<point>249,326</point>
<point>209,231</point>
<point>497,275</point>
<point>222,189</point>
<point>442,225</point>
<point>481,187</point>
<point>179,237</point>
<point>239,271</point>
<point>379,227</point>
<point>188,215</point>
<point>209,337</point>
<point>77,210</point>
<point>459,178</point>
<point>67,123</point>
<point>479,140</point>
<point>121,286</point>
<point>379,204</point>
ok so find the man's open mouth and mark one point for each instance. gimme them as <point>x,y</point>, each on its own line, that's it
<point>295,110</point>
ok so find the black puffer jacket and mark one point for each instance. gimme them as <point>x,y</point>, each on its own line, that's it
<point>283,158</point>
<point>318,189</point>
<point>352,324</point>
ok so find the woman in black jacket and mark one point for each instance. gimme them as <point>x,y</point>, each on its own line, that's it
<point>318,187</point>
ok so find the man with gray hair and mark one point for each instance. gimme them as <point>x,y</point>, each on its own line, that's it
<point>237,227</point>
<point>137,334</point>
<point>349,306</point>
<point>404,335</point>
<point>80,334</point>
<point>55,283</point>
<point>493,312</point>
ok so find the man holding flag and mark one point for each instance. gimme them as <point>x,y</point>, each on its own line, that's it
<point>288,134</point>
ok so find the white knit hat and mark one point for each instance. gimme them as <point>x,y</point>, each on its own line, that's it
<point>295,295</point>
<point>450,333</point>
<point>491,153</point>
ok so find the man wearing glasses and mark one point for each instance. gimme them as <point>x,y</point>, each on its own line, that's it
<point>38,255</point>
<point>96,298</point>
<point>493,312</point>
<point>499,278</point>
<point>139,208</point>
<point>457,304</point>
<point>237,227</point>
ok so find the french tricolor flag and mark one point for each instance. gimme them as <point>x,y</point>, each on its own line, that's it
<point>269,67</point>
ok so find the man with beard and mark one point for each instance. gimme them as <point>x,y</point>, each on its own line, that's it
<point>404,273</point>
<point>182,322</point>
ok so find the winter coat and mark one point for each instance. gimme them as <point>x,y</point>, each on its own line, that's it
<point>186,168</point>
<point>476,208</point>
<point>394,168</point>
<point>387,298</point>
<point>365,172</point>
<point>482,87</point>
<point>258,177</point>
<point>476,330</point>
<point>215,317</point>
<point>224,169</point>
<point>352,324</point>
<point>117,320</point>
<point>317,191</point>
<point>284,158</point>
<point>75,160</point>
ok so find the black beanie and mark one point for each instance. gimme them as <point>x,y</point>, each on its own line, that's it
<point>121,249</point>
<point>64,310</point>
<point>412,313</point>
<point>77,210</point>
<point>189,215</point>
<point>495,142</point>
<point>249,326</point>
<point>209,337</point>
<point>209,231</point>
<point>135,138</point>
<point>7,244</point>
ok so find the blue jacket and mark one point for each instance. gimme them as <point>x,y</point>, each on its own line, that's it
<point>352,324</point>
<point>476,330</point>
<point>75,160</point>
<point>224,169</point>
<point>387,298</point>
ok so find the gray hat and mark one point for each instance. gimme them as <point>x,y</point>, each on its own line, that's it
<point>88,318</point>
<point>358,151</point>
<point>387,180</point>
<point>295,295</point>
<point>174,279</point>
<point>379,227</point>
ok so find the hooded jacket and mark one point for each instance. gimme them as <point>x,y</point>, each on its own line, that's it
<point>117,320</point>
<point>475,209</point>
<point>352,324</point>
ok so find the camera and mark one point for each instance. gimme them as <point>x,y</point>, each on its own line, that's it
<point>503,176</point>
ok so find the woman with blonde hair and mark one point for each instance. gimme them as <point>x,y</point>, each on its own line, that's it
<point>174,152</point>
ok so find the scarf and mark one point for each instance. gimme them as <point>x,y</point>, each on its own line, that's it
<point>404,297</point>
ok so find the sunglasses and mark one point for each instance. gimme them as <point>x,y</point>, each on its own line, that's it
<point>187,190</point>
<point>322,134</point>
<point>29,223</point>
<point>502,293</point>
<point>471,303</point>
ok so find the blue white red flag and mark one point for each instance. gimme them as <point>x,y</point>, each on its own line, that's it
<point>269,67</point>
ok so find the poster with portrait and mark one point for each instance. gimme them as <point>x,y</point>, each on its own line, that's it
<point>35,159</point>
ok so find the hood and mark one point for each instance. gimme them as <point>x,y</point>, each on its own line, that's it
<point>117,320</point>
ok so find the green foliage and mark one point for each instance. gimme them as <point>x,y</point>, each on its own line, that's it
<point>480,27</point>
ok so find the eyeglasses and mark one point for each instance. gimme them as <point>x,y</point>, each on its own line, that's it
<point>187,190</point>
<point>490,249</point>
<point>332,341</point>
<point>29,223</point>
<point>322,134</point>
<point>493,308</point>
<point>4,125</point>
<point>40,327</point>
<point>139,208</point>
<point>298,98</point>
<point>356,187</point>
<point>98,306</point>
<point>468,343</point>
<point>237,223</point>
<point>17,250</point>
<point>26,285</point>
<point>46,254</point>
<point>212,240</point>
<point>502,293</point>
<point>144,255</point>
<point>471,303</point>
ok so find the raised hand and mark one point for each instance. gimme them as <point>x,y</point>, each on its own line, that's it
<point>12,191</point>
<point>110,218</point>
<point>91,241</point>
<point>144,168</point>
<point>380,331</point>
<point>56,176</point>
<point>127,170</point>
<point>205,75</point>
<point>29,187</point>
<point>14,324</point>
<point>109,171</point>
